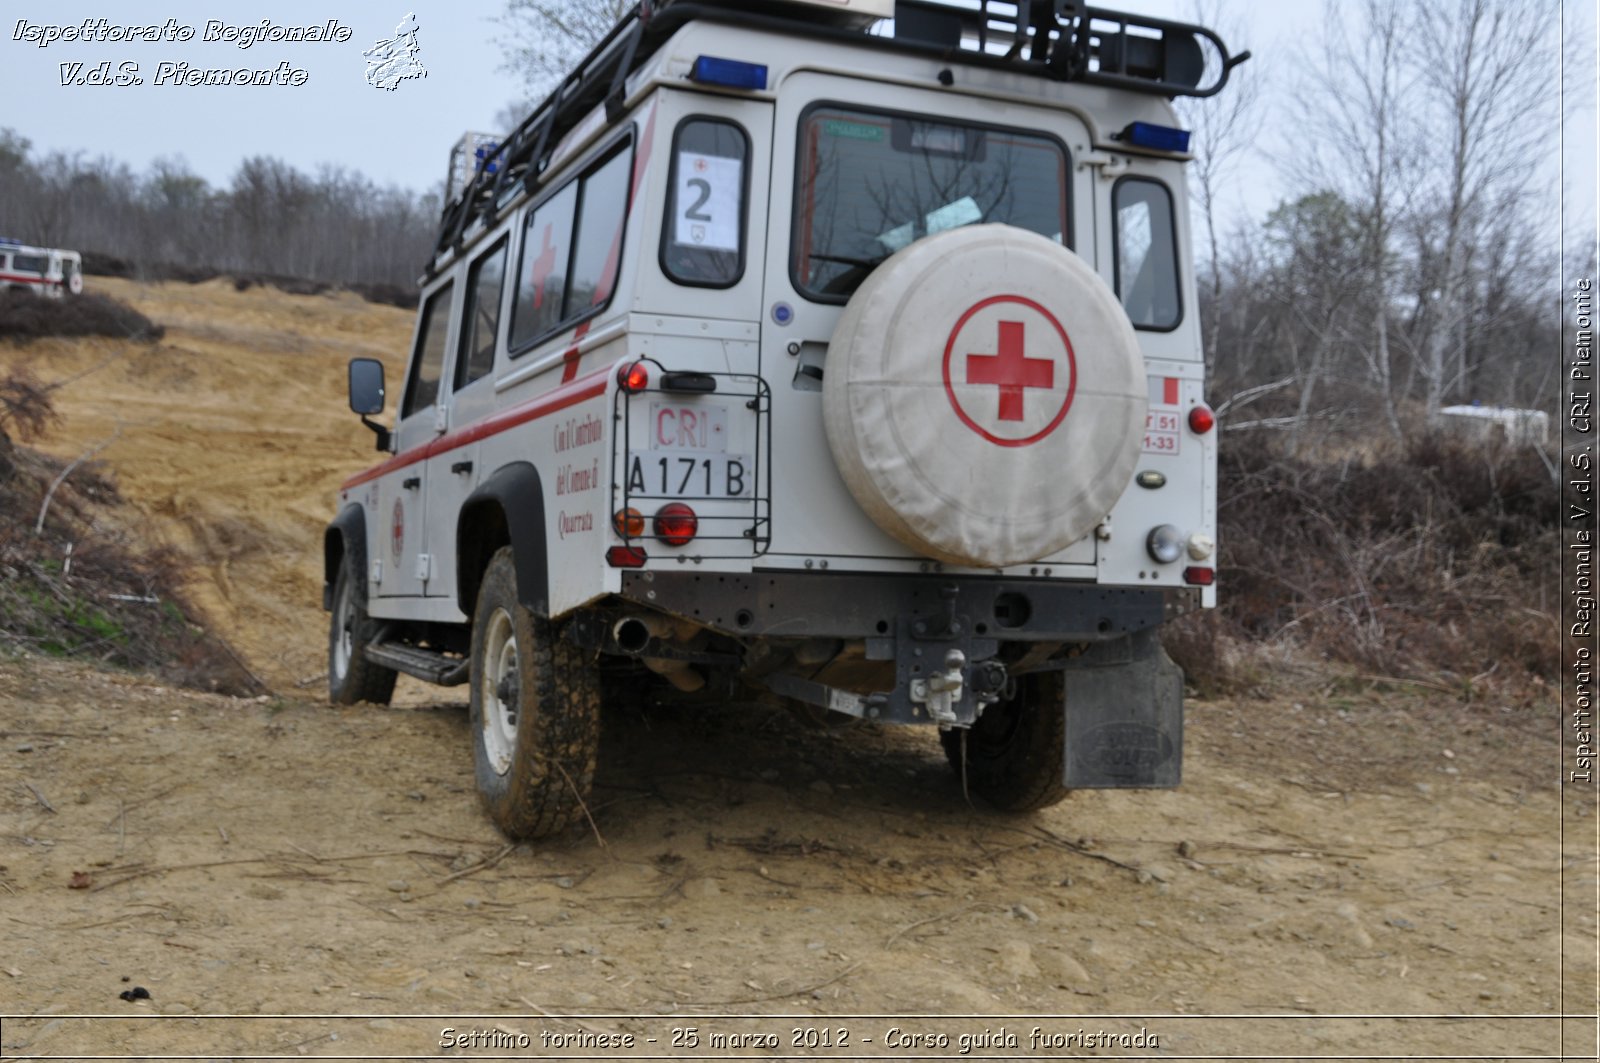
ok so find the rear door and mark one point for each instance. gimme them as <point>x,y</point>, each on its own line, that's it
<point>853,182</point>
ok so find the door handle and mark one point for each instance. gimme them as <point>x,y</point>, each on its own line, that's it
<point>461,467</point>
<point>411,483</point>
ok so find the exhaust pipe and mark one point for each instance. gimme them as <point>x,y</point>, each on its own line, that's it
<point>633,634</point>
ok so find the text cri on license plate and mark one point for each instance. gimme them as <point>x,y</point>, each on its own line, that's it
<point>688,455</point>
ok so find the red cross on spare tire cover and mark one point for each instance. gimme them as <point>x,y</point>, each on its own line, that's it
<point>985,396</point>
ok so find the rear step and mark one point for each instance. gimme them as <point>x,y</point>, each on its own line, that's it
<point>430,665</point>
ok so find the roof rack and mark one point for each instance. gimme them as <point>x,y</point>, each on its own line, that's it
<point>1062,40</point>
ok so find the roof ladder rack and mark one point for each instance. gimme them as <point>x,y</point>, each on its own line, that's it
<point>1065,40</point>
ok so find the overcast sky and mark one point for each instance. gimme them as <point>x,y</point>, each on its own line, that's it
<point>403,136</point>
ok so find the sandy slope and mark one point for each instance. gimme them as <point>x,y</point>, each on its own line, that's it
<point>232,435</point>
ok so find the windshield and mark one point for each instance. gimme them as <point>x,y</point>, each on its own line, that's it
<point>870,183</point>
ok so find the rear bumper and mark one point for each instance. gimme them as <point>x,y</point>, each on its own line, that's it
<point>1123,695</point>
<point>884,608</point>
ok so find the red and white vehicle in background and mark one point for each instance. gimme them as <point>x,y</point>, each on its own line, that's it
<point>777,353</point>
<point>49,271</point>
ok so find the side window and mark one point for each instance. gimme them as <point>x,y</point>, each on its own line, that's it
<point>571,251</point>
<point>481,327</point>
<point>543,285</point>
<point>1145,237</point>
<point>599,248</point>
<point>702,240</point>
<point>422,390</point>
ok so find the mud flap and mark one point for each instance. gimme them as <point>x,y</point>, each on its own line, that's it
<point>1125,720</point>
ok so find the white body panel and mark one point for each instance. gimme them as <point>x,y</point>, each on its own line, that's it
<point>531,407</point>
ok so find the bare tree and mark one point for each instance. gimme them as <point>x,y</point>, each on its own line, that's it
<point>1357,137</point>
<point>546,38</point>
<point>1224,126</point>
<point>1488,77</point>
<point>336,226</point>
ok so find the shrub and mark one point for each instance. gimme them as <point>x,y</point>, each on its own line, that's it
<point>1429,562</point>
<point>26,316</point>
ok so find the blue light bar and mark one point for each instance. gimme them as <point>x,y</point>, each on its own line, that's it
<point>729,73</point>
<point>1155,137</point>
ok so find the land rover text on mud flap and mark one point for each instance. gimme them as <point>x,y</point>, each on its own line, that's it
<point>787,350</point>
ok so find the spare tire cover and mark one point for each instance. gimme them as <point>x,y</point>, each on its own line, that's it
<point>985,396</point>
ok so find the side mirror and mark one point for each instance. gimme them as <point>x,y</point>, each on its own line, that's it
<point>366,386</point>
<point>367,395</point>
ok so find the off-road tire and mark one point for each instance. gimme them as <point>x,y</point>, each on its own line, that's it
<point>1016,751</point>
<point>351,677</point>
<point>535,712</point>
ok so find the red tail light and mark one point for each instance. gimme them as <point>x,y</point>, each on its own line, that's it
<point>625,557</point>
<point>1201,420</point>
<point>633,377</point>
<point>1200,577</point>
<point>676,524</point>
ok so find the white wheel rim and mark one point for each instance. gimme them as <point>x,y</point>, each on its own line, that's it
<point>500,692</point>
<point>344,637</point>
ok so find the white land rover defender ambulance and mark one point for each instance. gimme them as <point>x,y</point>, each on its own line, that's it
<point>790,350</point>
<point>47,271</point>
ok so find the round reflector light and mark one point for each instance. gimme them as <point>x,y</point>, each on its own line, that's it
<point>629,523</point>
<point>676,524</point>
<point>1201,420</point>
<point>633,377</point>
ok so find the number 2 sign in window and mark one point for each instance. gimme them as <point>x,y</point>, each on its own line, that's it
<point>702,244</point>
<point>710,191</point>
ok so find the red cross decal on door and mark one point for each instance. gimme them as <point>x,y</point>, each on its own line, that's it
<point>543,266</point>
<point>1012,370</point>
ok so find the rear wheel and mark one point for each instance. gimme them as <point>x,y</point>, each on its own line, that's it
<point>351,677</point>
<point>535,709</point>
<point>1013,757</point>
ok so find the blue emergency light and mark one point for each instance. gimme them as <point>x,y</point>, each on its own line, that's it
<point>485,151</point>
<point>1155,137</point>
<point>728,73</point>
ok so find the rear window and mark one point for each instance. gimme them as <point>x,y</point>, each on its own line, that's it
<point>871,182</point>
<point>702,240</point>
<point>1146,253</point>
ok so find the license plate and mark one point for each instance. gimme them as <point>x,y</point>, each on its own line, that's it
<point>682,473</point>
<point>688,426</point>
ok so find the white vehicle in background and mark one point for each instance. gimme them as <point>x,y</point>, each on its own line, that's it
<point>1508,424</point>
<point>777,353</point>
<point>48,271</point>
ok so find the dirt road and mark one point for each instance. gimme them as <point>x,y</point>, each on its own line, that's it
<point>1357,852</point>
<point>285,857</point>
